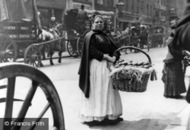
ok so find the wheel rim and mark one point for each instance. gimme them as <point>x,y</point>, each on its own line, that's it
<point>72,52</point>
<point>79,46</point>
<point>8,50</point>
<point>32,56</point>
<point>38,84</point>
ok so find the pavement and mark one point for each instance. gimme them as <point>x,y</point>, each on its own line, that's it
<point>148,110</point>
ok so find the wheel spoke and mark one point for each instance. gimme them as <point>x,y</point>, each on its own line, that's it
<point>8,49</point>
<point>3,86</point>
<point>28,99</point>
<point>41,115</point>
<point>72,48</point>
<point>9,100</point>
<point>4,100</point>
<point>32,55</point>
<point>26,104</point>
<point>5,41</point>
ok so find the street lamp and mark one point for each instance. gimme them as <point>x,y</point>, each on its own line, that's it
<point>119,7</point>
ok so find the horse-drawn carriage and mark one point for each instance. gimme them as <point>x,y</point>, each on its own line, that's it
<point>18,29</point>
<point>22,85</point>
<point>157,36</point>
<point>136,36</point>
<point>21,34</point>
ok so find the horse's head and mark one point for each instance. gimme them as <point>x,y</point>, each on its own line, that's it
<point>55,32</point>
<point>59,28</point>
<point>45,35</point>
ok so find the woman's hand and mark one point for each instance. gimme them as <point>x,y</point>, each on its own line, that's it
<point>112,59</point>
<point>110,66</point>
<point>109,58</point>
<point>186,53</point>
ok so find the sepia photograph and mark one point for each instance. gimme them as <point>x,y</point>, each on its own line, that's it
<point>94,64</point>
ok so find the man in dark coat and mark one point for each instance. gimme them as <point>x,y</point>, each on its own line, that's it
<point>82,17</point>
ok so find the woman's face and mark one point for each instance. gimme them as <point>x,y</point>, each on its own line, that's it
<point>98,24</point>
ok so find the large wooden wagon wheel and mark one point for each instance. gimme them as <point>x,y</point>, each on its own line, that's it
<point>29,93</point>
<point>32,56</point>
<point>8,49</point>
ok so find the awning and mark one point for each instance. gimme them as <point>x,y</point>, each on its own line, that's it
<point>3,11</point>
<point>128,21</point>
<point>105,14</point>
<point>101,12</point>
<point>18,10</point>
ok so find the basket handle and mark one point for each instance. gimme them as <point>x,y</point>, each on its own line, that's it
<point>135,48</point>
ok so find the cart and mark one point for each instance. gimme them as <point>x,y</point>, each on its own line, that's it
<point>18,29</point>
<point>157,36</point>
<point>139,37</point>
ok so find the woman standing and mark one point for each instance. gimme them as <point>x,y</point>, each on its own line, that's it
<point>100,102</point>
<point>175,62</point>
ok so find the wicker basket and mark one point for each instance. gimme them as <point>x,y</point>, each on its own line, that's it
<point>125,84</point>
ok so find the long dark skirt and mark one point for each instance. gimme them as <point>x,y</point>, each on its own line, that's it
<point>173,78</point>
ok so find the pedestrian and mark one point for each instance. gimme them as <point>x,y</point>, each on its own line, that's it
<point>82,17</point>
<point>101,104</point>
<point>143,37</point>
<point>175,62</point>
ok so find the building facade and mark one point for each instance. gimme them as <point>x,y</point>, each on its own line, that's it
<point>175,8</point>
<point>148,12</point>
<point>137,11</point>
<point>51,8</point>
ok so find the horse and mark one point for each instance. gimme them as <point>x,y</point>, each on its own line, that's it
<point>54,36</point>
<point>57,45</point>
<point>44,36</point>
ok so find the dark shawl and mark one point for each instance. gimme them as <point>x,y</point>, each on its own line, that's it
<point>84,69</point>
<point>84,81</point>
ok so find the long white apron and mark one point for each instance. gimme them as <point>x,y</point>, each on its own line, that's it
<point>104,101</point>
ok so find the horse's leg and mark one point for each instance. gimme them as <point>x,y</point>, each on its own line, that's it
<point>60,56</point>
<point>43,53</point>
<point>51,51</point>
<point>40,64</point>
<point>60,50</point>
<point>51,59</point>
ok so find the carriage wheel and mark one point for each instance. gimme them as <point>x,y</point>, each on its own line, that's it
<point>33,95</point>
<point>79,45</point>
<point>8,49</point>
<point>72,48</point>
<point>32,56</point>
